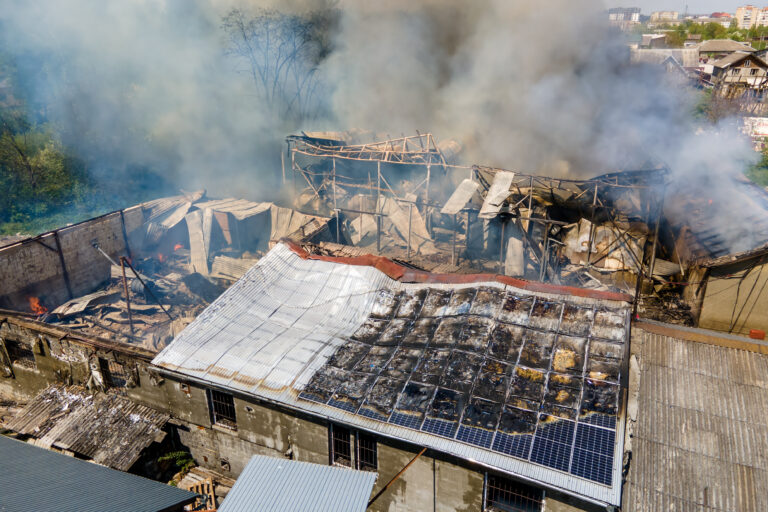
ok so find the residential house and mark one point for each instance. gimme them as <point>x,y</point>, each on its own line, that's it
<point>714,49</point>
<point>739,72</point>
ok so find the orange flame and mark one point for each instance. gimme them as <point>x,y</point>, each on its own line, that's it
<point>160,257</point>
<point>36,307</point>
<point>177,247</point>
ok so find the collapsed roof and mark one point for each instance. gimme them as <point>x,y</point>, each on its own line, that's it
<point>172,256</point>
<point>519,376</point>
<point>108,429</point>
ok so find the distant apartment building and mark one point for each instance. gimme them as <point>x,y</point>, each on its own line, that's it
<point>723,19</point>
<point>662,16</point>
<point>750,16</point>
<point>620,14</point>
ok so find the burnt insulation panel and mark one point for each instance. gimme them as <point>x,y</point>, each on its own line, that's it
<point>532,378</point>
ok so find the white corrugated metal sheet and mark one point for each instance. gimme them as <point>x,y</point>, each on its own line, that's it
<point>268,484</point>
<point>272,330</point>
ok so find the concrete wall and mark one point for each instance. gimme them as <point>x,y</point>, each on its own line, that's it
<point>435,482</point>
<point>34,267</point>
<point>726,302</point>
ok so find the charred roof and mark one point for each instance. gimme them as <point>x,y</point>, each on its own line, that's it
<point>524,377</point>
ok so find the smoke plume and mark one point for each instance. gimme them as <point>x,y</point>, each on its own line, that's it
<point>537,87</point>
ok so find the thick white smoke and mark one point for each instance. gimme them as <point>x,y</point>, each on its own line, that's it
<point>540,87</point>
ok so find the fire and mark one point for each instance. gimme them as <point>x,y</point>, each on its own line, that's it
<point>160,257</point>
<point>177,247</point>
<point>36,307</point>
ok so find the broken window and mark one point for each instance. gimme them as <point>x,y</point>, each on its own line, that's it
<point>113,372</point>
<point>20,354</point>
<point>222,409</point>
<point>503,494</point>
<point>365,449</point>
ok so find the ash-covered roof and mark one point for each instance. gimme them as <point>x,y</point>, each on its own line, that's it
<point>36,479</point>
<point>700,441</point>
<point>269,484</point>
<point>706,209</point>
<point>109,429</point>
<point>519,376</point>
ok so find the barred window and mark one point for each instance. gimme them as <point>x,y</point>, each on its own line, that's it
<point>222,409</point>
<point>20,354</point>
<point>367,453</point>
<point>341,446</point>
<point>113,373</point>
<point>505,495</point>
<point>353,449</point>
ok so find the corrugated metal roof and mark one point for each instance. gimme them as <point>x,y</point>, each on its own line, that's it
<point>110,429</point>
<point>275,328</point>
<point>239,208</point>
<point>723,45</point>
<point>269,484</point>
<point>36,479</point>
<point>700,441</point>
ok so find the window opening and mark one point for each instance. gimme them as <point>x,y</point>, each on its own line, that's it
<point>505,495</point>
<point>222,408</point>
<point>367,458</point>
<point>113,373</point>
<point>20,354</point>
<point>342,446</point>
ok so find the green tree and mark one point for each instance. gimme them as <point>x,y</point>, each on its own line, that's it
<point>759,172</point>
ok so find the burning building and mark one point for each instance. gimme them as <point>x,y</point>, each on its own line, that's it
<point>474,327</point>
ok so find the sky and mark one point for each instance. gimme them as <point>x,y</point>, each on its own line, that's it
<point>694,6</point>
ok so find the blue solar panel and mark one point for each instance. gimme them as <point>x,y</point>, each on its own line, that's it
<point>477,436</point>
<point>592,466</point>
<point>518,445</point>
<point>551,453</point>
<point>554,429</point>
<point>597,440</point>
<point>406,420</point>
<point>369,413</point>
<point>439,427</point>
<point>497,401</point>
<point>552,443</point>
<point>312,397</point>
<point>600,420</point>
<point>344,405</point>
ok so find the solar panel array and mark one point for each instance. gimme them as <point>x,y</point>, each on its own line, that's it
<point>528,377</point>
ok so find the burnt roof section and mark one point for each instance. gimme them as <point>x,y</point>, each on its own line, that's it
<point>730,259</point>
<point>707,209</point>
<point>44,481</point>
<point>523,377</point>
<point>700,439</point>
<point>109,429</point>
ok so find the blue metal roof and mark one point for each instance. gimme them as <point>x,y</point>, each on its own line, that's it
<point>269,484</point>
<point>45,481</point>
